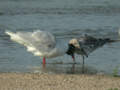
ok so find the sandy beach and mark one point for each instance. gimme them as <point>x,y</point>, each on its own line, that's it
<point>36,81</point>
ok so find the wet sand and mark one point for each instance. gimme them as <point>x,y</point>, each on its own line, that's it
<point>30,81</point>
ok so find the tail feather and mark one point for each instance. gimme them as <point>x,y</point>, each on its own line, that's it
<point>14,36</point>
<point>11,34</point>
<point>111,41</point>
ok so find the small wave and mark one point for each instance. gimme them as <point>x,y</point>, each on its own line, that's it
<point>62,11</point>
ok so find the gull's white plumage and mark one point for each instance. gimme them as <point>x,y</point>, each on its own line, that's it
<point>40,43</point>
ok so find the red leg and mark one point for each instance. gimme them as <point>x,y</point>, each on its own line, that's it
<point>44,60</point>
<point>73,58</point>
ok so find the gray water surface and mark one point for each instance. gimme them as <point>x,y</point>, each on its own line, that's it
<point>65,19</point>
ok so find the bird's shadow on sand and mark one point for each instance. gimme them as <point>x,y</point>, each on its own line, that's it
<point>65,68</point>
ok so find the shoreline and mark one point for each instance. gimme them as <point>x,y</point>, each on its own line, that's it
<point>36,81</point>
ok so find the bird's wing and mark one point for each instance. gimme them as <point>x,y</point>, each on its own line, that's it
<point>38,42</point>
<point>88,43</point>
<point>43,41</point>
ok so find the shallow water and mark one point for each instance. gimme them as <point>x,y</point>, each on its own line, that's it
<point>65,19</point>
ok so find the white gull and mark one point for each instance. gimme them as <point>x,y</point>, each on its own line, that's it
<point>40,43</point>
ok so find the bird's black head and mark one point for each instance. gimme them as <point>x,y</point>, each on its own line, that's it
<point>71,49</point>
